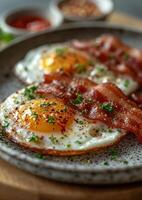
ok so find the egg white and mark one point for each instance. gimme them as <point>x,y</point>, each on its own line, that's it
<point>28,69</point>
<point>101,74</point>
<point>31,72</point>
<point>81,136</point>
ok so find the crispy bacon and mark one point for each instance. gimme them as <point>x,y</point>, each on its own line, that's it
<point>87,98</point>
<point>116,55</point>
<point>137,97</point>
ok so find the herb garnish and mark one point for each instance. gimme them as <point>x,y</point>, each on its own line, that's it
<point>106,163</point>
<point>126,56</point>
<point>126,83</point>
<point>78,142</point>
<point>6,124</point>
<point>1,132</point>
<point>91,62</point>
<point>80,67</point>
<point>125,162</point>
<point>35,115</point>
<point>68,145</point>
<point>79,122</point>
<point>46,104</point>
<point>39,156</point>
<point>51,120</point>
<point>100,69</point>
<point>61,51</point>
<point>6,37</point>
<point>29,92</point>
<point>33,138</point>
<point>114,154</point>
<point>78,99</point>
<point>107,107</point>
<point>53,139</point>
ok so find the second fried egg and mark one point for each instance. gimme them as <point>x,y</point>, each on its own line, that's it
<point>51,59</point>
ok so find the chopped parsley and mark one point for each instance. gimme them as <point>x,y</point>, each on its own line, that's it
<point>80,67</point>
<point>106,163</point>
<point>78,99</point>
<point>39,156</point>
<point>6,124</point>
<point>53,139</point>
<point>79,122</point>
<point>29,92</point>
<point>91,62</point>
<point>100,69</point>
<point>126,56</point>
<point>33,138</point>
<point>113,154</point>
<point>61,51</point>
<point>125,162</point>
<point>16,101</point>
<point>110,130</point>
<point>51,120</point>
<point>1,132</point>
<point>68,145</point>
<point>78,142</point>
<point>107,107</point>
<point>46,104</point>
<point>126,83</point>
<point>6,37</point>
<point>35,115</point>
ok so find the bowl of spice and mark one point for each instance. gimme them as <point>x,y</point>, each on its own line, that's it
<point>82,10</point>
<point>27,20</point>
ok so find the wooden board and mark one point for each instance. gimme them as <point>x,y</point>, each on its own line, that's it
<point>19,185</point>
<point>123,19</point>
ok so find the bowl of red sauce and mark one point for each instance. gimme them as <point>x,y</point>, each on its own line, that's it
<point>84,10</point>
<point>27,20</point>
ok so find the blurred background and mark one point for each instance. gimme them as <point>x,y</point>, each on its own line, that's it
<point>132,7</point>
<point>45,14</point>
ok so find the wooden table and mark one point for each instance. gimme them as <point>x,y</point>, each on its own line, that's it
<point>16,184</point>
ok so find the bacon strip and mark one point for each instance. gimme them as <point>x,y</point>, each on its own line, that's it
<point>116,55</point>
<point>137,97</point>
<point>125,113</point>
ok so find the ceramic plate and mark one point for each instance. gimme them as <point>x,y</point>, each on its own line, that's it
<point>120,164</point>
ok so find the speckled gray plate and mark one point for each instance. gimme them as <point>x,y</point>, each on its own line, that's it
<point>120,164</point>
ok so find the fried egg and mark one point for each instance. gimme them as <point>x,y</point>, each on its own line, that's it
<point>51,59</point>
<point>49,126</point>
<point>101,74</point>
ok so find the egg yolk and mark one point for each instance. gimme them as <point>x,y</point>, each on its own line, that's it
<point>44,115</point>
<point>64,59</point>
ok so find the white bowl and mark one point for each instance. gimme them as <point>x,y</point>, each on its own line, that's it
<point>53,16</point>
<point>106,7</point>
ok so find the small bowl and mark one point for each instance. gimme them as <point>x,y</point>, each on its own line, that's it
<point>105,6</point>
<point>55,18</point>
